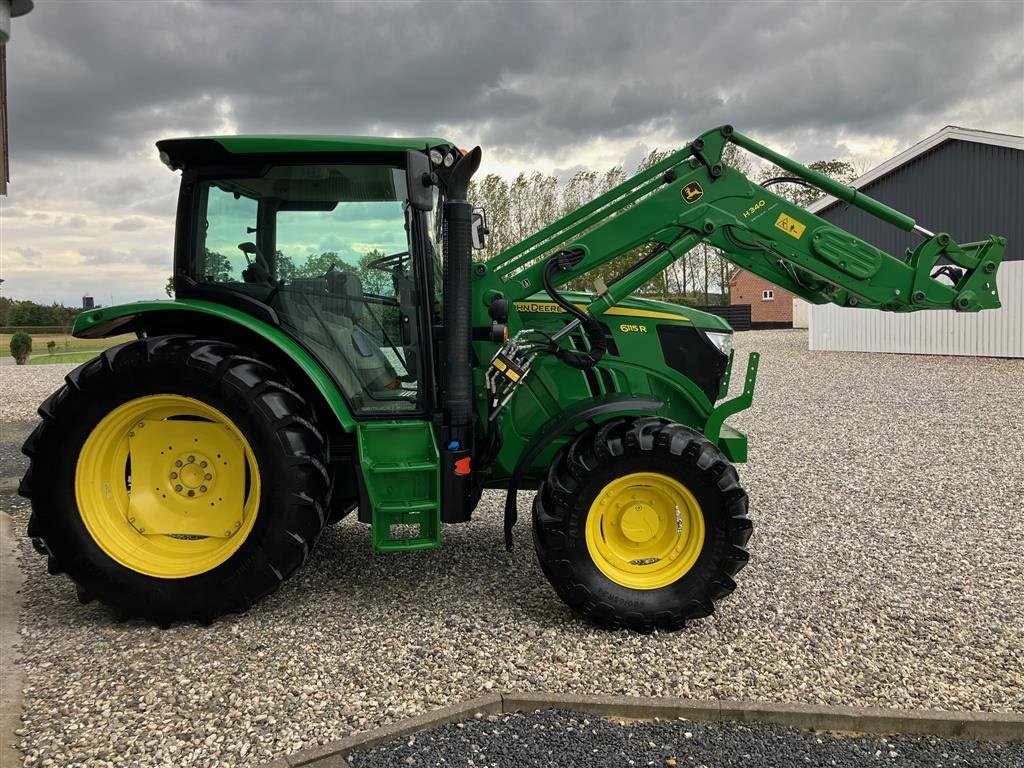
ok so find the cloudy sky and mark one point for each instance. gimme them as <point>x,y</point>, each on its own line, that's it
<point>550,86</point>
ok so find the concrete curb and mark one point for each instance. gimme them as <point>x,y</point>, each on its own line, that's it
<point>9,483</point>
<point>982,726</point>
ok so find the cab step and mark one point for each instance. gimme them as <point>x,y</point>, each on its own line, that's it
<point>401,466</point>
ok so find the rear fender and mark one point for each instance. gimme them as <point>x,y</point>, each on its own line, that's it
<point>206,318</point>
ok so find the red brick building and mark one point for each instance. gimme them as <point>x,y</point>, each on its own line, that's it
<point>769,304</point>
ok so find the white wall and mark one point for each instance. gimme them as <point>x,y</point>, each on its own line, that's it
<point>800,313</point>
<point>991,333</point>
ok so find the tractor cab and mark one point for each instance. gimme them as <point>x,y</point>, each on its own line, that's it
<point>321,240</point>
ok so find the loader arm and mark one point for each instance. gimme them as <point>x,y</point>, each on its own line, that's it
<point>693,197</point>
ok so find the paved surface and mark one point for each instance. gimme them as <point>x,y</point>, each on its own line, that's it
<point>568,739</point>
<point>886,572</point>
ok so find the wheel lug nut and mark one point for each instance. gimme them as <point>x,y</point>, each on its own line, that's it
<point>174,475</point>
<point>202,464</point>
<point>177,463</point>
<point>191,459</point>
<point>177,488</point>
<point>191,493</point>
<point>208,476</point>
<point>202,489</point>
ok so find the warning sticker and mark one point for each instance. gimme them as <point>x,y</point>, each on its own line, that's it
<point>790,226</point>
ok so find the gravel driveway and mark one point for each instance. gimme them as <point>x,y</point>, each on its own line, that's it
<point>886,492</point>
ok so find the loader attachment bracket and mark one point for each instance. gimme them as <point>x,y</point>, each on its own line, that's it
<point>713,426</point>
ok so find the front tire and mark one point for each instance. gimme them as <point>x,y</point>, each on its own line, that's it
<point>641,524</point>
<point>175,478</point>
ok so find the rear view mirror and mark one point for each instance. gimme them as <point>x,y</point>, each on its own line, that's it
<point>418,180</point>
<point>479,230</point>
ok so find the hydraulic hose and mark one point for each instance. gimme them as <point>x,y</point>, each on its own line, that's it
<point>584,360</point>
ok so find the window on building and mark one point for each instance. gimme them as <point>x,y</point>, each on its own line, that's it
<point>767,295</point>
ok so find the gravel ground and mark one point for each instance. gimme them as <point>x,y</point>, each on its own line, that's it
<point>23,387</point>
<point>568,739</point>
<point>886,571</point>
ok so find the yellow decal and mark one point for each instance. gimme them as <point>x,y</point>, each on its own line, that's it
<point>753,209</point>
<point>547,306</point>
<point>692,192</point>
<point>790,226</point>
<point>631,328</point>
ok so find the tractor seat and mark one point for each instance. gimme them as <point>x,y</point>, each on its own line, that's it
<point>347,304</point>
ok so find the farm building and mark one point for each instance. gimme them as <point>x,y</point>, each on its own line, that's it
<point>770,305</point>
<point>965,182</point>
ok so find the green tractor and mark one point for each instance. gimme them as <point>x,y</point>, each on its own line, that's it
<point>334,348</point>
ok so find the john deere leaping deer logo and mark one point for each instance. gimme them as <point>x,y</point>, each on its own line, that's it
<point>692,192</point>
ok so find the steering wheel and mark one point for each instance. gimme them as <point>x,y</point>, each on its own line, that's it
<point>258,270</point>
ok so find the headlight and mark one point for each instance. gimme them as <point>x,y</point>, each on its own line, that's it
<point>721,340</point>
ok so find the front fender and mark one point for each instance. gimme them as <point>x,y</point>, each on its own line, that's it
<point>109,321</point>
<point>566,423</point>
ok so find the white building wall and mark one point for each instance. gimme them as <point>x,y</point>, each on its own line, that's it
<point>991,333</point>
<point>800,312</point>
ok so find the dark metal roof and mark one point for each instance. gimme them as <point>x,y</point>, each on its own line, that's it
<point>968,188</point>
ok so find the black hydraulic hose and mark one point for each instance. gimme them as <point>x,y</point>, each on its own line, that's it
<point>592,328</point>
<point>787,180</point>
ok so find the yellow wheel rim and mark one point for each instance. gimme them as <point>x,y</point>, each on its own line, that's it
<point>167,486</point>
<point>645,530</point>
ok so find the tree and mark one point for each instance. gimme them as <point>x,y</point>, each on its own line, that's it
<point>21,347</point>
<point>169,287</point>
<point>217,267</point>
<point>375,281</point>
<point>285,267</point>
<point>320,265</point>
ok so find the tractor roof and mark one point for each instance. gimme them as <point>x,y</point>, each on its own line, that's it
<point>203,150</point>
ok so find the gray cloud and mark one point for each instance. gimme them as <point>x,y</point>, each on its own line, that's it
<point>92,85</point>
<point>96,78</point>
<point>28,254</point>
<point>131,224</point>
<point>94,255</point>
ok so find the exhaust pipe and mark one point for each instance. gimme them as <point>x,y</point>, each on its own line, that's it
<point>457,386</point>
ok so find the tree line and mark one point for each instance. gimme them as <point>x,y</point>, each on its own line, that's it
<point>29,313</point>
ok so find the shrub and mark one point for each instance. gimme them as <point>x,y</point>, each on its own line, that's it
<point>21,347</point>
<point>51,345</point>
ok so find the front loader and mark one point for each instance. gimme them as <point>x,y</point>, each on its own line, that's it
<point>334,349</point>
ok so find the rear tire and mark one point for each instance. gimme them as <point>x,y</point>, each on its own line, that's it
<point>86,456</point>
<point>641,524</point>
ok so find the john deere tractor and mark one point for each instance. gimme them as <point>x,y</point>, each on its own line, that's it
<point>333,348</point>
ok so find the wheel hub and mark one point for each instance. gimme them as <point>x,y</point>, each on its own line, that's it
<point>188,478</point>
<point>192,475</point>
<point>639,523</point>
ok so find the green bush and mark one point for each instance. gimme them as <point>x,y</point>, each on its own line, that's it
<point>21,347</point>
<point>51,345</point>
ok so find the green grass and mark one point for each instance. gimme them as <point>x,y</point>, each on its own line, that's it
<point>67,357</point>
<point>64,343</point>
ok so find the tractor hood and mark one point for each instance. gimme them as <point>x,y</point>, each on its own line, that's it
<point>631,307</point>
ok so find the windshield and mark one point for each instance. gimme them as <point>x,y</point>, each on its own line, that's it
<point>327,247</point>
